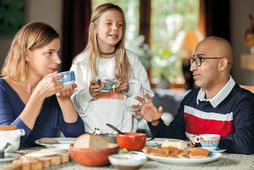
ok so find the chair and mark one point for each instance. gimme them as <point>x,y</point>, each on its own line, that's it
<point>250,88</point>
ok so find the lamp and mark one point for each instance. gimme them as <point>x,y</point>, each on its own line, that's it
<point>186,41</point>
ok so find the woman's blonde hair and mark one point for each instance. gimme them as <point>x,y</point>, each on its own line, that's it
<point>32,36</point>
<point>122,61</point>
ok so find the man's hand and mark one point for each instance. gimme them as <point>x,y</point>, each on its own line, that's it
<point>148,111</point>
<point>192,142</point>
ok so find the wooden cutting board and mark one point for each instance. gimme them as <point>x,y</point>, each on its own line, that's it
<point>39,163</point>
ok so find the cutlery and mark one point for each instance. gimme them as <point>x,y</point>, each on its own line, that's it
<point>114,128</point>
<point>3,149</point>
<point>150,139</point>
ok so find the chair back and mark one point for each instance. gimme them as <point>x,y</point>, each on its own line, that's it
<point>250,88</point>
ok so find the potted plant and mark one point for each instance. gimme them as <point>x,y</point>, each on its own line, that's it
<point>165,66</point>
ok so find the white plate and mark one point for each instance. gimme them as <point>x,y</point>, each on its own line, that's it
<point>183,161</point>
<point>64,143</point>
<point>10,157</point>
<point>158,141</point>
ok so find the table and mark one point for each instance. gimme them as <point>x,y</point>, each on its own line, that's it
<point>226,162</point>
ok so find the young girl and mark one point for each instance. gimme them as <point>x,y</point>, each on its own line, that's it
<point>106,56</point>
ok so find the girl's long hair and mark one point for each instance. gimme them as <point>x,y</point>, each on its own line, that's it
<point>122,61</point>
<point>32,36</point>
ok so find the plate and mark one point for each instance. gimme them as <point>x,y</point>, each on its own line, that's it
<point>64,143</point>
<point>183,161</point>
<point>219,150</point>
<point>10,157</point>
<point>158,141</point>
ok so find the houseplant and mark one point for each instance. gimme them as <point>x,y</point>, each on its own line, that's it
<point>165,66</point>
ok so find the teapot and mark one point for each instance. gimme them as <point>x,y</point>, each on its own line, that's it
<point>10,134</point>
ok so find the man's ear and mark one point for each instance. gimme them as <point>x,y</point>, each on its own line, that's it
<point>28,55</point>
<point>223,64</point>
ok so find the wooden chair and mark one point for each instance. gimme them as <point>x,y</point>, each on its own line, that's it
<point>250,88</point>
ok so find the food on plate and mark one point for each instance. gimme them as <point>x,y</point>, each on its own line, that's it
<point>199,152</point>
<point>174,152</point>
<point>49,141</point>
<point>180,144</point>
<point>125,151</point>
<point>91,141</point>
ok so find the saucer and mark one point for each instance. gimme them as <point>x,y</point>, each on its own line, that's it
<point>10,157</point>
<point>218,150</point>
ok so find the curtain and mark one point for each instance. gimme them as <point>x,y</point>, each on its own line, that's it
<point>76,19</point>
<point>215,16</point>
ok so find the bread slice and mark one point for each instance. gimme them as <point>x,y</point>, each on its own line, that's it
<point>91,141</point>
<point>199,153</point>
<point>49,141</point>
<point>180,144</point>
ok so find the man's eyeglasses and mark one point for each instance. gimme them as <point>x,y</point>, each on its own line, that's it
<point>200,57</point>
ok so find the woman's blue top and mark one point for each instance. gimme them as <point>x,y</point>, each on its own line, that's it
<point>47,123</point>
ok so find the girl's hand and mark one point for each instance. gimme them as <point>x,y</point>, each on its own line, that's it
<point>49,85</point>
<point>94,90</point>
<point>124,85</point>
<point>66,91</point>
<point>148,111</point>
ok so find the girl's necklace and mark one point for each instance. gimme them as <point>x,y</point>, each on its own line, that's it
<point>109,53</point>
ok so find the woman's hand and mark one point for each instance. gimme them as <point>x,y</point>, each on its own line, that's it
<point>66,91</point>
<point>49,85</point>
<point>94,90</point>
<point>148,111</point>
<point>124,85</point>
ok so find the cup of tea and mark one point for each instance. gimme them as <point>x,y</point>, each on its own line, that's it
<point>67,78</point>
<point>208,141</point>
<point>106,84</point>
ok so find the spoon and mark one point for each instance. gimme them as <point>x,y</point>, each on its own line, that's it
<point>114,128</point>
<point>3,149</point>
<point>6,146</point>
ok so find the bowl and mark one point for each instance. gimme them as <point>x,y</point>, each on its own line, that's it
<point>93,157</point>
<point>127,161</point>
<point>131,141</point>
<point>111,137</point>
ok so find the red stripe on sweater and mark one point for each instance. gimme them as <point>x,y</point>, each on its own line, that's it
<point>196,125</point>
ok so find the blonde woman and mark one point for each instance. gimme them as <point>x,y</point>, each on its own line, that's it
<point>106,56</point>
<point>31,98</point>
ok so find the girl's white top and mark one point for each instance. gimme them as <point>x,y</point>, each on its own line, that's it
<point>111,107</point>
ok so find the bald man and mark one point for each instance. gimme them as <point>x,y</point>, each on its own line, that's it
<point>219,106</point>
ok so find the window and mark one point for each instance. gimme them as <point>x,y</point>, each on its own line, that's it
<point>168,18</point>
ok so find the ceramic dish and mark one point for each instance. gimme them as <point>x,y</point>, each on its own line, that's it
<point>184,161</point>
<point>128,161</point>
<point>219,150</point>
<point>10,157</point>
<point>64,143</point>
